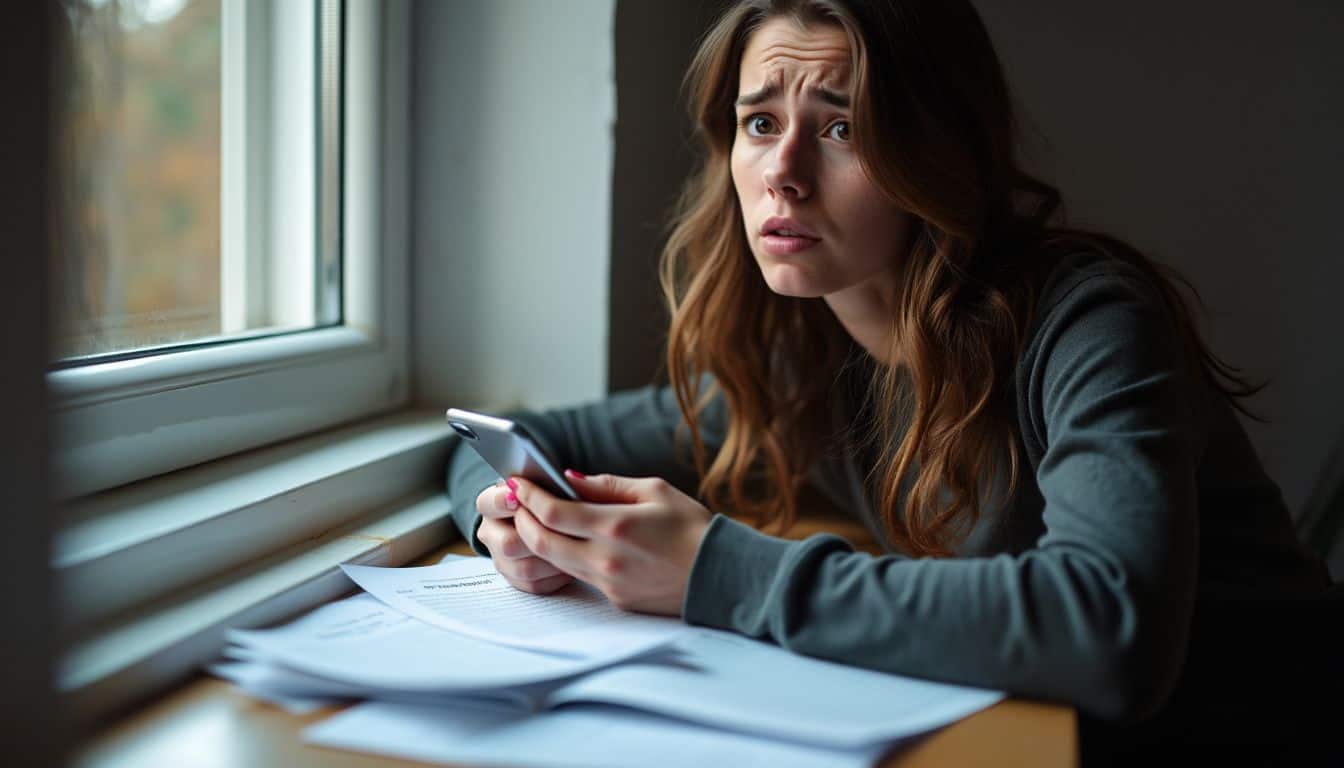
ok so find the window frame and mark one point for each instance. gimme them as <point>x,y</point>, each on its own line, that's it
<point>125,420</point>
<point>264,120</point>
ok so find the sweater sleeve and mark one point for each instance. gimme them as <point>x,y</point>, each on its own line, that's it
<point>1095,614</point>
<point>636,433</point>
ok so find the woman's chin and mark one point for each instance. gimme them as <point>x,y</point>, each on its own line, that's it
<point>789,280</point>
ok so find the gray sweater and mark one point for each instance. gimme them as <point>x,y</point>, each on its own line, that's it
<point>1141,493</point>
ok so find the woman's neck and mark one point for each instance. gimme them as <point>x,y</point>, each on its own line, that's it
<point>867,312</point>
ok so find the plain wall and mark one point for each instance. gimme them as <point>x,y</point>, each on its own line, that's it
<point>1206,133</point>
<point>512,109</point>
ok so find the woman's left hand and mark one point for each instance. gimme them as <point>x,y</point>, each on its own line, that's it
<point>633,538</point>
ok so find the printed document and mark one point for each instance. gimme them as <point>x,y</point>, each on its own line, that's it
<point>736,683</point>
<point>358,648</point>
<point>362,642</point>
<point>461,667</point>
<point>470,597</point>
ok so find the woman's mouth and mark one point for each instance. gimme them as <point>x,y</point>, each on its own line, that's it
<point>784,243</point>
<point>781,236</point>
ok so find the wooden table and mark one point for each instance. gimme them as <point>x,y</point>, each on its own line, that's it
<point>208,723</point>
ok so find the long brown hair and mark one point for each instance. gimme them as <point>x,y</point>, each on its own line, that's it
<point>934,130</point>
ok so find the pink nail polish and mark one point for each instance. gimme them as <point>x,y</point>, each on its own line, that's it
<point>513,484</point>
<point>511,500</point>
<point>576,474</point>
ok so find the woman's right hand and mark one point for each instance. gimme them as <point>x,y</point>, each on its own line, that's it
<point>514,561</point>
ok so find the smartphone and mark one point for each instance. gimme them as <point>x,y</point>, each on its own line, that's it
<point>506,446</point>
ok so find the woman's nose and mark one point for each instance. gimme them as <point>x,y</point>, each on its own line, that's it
<point>788,172</point>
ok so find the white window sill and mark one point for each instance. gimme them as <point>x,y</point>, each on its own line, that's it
<point>150,575</point>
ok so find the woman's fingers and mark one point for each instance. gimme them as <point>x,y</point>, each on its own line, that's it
<point>515,562</point>
<point>639,554</point>
<point>565,552</point>
<point>502,539</point>
<point>575,518</point>
<point>611,522</point>
<point>543,586</point>
<point>512,557</point>
<point>527,569</point>
<point>605,489</point>
<point>497,501</point>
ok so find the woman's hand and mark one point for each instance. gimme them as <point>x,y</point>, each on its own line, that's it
<point>633,538</point>
<point>514,561</point>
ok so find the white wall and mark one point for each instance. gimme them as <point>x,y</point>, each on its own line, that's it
<point>1208,134</point>
<point>513,107</point>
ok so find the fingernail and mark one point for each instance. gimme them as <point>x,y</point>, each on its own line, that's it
<point>574,473</point>
<point>511,500</point>
<point>513,485</point>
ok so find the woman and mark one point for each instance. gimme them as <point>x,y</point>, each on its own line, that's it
<point>867,299</point>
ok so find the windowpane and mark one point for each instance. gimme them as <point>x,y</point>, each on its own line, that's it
<point>190,168</point>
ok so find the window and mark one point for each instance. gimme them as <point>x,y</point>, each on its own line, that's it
<point>231,244</point>
<point>191,148</point>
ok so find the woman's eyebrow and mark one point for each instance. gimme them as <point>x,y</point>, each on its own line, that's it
<point>770,91</point>
<point>834,98</point>
<point>761,96</point>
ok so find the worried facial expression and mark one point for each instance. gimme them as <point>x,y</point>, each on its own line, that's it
<point>816,223</point>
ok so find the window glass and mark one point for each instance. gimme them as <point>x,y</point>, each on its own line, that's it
<point>189,202</point>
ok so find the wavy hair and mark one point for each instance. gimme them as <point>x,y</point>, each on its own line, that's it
<point>934,130</point>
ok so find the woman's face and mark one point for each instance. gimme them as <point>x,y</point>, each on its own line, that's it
<point>817,224</point>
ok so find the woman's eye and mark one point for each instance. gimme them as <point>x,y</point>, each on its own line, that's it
<point>839,130</point>
<point>759,125</point>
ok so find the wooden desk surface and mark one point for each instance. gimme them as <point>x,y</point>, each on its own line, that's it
<point>207,723</point>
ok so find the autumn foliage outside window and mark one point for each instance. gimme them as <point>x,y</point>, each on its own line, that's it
<point>139,262</point>
<point>199,185</point>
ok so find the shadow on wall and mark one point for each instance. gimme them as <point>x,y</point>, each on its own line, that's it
<point>654,44</point>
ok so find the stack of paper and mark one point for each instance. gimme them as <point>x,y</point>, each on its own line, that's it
<point>459,667</point>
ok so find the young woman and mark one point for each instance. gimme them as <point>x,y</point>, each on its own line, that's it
<point>868,298</point>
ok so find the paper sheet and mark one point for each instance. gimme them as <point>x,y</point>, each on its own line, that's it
<point>299,693</point>
<point>362,642</point>
<point>730,681</point>
<point>586,737</point>
<point>470,597</point>
<point>248,678</point>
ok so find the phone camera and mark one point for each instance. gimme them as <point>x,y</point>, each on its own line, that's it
<point>463,430</point>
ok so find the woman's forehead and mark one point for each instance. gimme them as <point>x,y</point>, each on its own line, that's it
<point>782,51</point>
